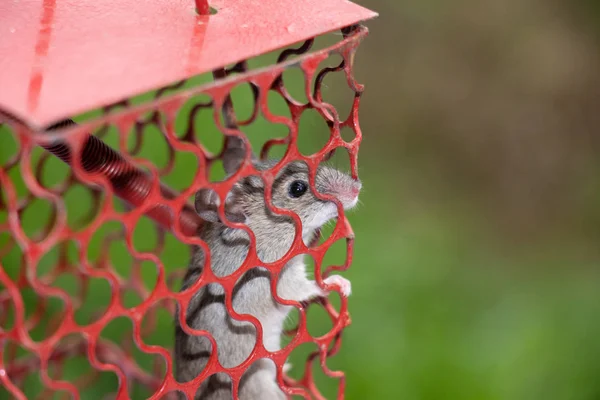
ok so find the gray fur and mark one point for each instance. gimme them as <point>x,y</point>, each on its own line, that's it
<point>252,293</point>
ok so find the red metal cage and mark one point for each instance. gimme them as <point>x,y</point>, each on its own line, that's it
<point>79,257</point>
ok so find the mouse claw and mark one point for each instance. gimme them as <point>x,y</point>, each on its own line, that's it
<point>343,283</point>
<point>286,367</point>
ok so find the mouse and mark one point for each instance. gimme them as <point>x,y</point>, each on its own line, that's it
<point>274,233</point>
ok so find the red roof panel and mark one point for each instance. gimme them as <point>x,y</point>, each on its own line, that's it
<point>59,58</point>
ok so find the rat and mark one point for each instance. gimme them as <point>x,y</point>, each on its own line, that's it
<point>252,293</point>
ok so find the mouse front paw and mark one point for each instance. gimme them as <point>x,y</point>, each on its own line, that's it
<point>286,368</point>
<point>343,283</point>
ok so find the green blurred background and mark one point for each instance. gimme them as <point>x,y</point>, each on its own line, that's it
<point>476,263</point>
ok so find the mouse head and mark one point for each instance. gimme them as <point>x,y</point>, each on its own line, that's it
<point>290,190</point>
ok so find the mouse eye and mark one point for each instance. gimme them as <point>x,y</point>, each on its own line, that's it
<point>297,189</point>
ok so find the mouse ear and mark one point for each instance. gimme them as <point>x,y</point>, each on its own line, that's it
<point>233,209</point>
<point>207,203</point>
<point>234,154</point>
<point>207,206</point>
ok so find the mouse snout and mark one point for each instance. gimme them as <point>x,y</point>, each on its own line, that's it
<point>346,190</point>
<point>355,188</point>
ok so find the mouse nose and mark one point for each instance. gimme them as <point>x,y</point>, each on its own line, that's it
<point>348,194</point>
<point>343,187</point>
<point>355,189</point>
<point>352,191</point>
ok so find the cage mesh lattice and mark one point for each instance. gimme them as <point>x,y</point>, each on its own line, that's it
<point>64,303</point>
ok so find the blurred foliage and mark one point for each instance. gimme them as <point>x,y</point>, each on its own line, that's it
<point>476,269</point>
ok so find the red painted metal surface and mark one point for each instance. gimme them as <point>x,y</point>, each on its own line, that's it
<point>63,57</point>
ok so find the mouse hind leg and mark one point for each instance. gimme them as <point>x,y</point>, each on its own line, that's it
<point>259,383</point>
<point>216,387</point>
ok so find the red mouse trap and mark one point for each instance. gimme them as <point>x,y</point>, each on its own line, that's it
<point>97,215</point>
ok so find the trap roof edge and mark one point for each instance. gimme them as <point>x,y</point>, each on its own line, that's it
<point>62,58</point>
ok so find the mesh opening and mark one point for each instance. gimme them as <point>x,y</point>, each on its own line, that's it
<point>95,250</point>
